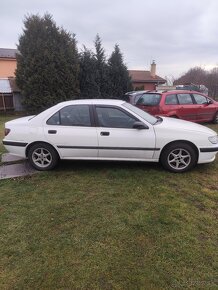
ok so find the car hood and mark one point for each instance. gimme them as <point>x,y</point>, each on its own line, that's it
<point>179,125</point>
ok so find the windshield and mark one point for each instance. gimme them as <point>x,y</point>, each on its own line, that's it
<point>147,117</point>
<point>149,100</point>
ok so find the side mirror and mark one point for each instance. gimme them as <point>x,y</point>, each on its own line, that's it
<point>209,102</point>
<point>140,126</point>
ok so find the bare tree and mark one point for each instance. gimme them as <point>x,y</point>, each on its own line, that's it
<point>199,76</point>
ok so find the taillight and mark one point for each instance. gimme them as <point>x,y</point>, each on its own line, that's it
<point>7,131</point>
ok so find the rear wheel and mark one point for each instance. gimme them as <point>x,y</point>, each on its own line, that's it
<point>42,156</point>
<point>215,120</point>
<point>178,157</point>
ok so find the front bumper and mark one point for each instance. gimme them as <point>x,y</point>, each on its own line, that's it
<point>207,154</point>
<point>209,149</point>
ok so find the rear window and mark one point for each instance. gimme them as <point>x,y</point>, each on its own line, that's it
<point>149,100</point>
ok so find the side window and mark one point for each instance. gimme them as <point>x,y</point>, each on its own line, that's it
<point>55,119</point>
<point>76,115</point>
<point>171,100</point>
<point>185,99</point>
<point>114,118</point>
<point>200,99</point>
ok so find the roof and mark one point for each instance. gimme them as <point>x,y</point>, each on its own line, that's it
<point>8,86</point>
<point>5,86</point>
<point>143,76</point>
<point>8,53</point>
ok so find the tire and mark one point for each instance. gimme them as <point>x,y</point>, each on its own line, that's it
<point>42,156</point>
<point>178,157</point>
<point>215,120</point>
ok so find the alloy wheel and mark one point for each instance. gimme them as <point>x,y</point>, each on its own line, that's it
<point>42,157</point>
<point>179,159</point>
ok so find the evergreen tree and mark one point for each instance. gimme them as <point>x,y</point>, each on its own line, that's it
<point>47,63</point>
<point>119,79</point>
<point>89,88</point>
<point>101,68</point>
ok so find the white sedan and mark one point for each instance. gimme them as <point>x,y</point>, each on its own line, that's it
<point>108,130</point>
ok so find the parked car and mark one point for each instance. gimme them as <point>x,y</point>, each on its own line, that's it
<point>108,130</point>
<point>188,105</point>
<point>132,97</point>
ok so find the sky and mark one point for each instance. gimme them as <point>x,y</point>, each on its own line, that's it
<point>177,34</point>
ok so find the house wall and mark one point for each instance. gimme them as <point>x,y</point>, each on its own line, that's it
<point>7,67</point>
<point>144,86</point>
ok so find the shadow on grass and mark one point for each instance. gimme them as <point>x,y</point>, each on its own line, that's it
<point>83,165</point>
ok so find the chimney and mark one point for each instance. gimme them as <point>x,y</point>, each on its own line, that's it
<point>153,69</point>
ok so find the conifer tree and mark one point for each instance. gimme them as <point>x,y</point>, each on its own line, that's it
<point>101,68</point>
<point>89,88</point>
<point>119,80</point>
<point>47,63</point>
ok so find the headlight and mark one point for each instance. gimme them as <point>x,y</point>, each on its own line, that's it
<point>213,139</point>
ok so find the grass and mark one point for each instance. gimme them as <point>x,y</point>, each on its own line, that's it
<point>89,225</point>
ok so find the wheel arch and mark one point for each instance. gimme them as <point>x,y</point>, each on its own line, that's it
<point>40,142</point>
<point>180,141</point>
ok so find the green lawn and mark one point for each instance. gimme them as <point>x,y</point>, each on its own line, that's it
<point>89,225</point>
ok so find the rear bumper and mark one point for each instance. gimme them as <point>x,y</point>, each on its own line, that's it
<point>16,148</point>
<point>16,144</point>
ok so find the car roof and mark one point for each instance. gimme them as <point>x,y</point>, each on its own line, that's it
<point>94,101</point>
<point>77,102</point>
<point>133,93</point>
<point>174,92</point>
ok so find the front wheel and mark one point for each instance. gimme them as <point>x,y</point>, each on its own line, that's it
<point>42,156</point>
<point>178,157</point>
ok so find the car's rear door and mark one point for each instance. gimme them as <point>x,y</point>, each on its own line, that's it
<point>72,131</point>
<point>118,139</point>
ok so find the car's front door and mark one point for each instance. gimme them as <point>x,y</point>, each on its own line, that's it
<point>186,109</point>
<point>71,130</point>
<point>118,139</point>
<point>205,110</point>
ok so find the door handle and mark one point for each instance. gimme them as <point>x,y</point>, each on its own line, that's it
<point>105,133</point>
<point>52,131</point>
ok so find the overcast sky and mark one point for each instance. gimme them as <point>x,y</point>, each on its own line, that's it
<point>177,34</point>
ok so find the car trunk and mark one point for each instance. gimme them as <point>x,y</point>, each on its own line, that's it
<point>153,110</point>
<point>149,103</point>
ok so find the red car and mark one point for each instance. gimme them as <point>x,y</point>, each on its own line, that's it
<point>188,105</point>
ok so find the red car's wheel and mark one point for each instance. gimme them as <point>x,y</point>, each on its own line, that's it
<point>215,120</point>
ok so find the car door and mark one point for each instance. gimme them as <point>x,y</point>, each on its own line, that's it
<point>117,138</point>
<point>205,109</point>
<point>170,106</point>
<point>186,109</point>
<point>71,130</point>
